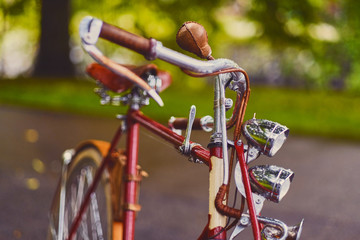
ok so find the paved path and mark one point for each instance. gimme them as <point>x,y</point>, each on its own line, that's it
<point>325,189</point>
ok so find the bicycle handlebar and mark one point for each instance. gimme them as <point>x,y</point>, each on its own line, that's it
<point>91,29</point>
<point>126,39</point>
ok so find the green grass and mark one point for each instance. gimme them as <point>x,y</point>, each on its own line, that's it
<point>317,113</point>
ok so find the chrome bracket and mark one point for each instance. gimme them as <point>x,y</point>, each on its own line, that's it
<point>258,200</point>
<point>191,158</point>
<point>245,222</point>
<point>123,119</point>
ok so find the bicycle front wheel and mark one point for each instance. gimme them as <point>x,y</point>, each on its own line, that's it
<point>76,179</point>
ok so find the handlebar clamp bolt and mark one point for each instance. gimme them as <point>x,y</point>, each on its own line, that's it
<point>244,221</point>
<point>228,103</point>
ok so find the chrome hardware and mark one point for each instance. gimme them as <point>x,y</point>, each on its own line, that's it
<point>273,229</point>
<point>106,99</point>
<point>270,181</point>
<point>220,121</point>
<point>265,135</point>
<point>294,232</point>
<point>122,118</point>
<point>258,199</point>
<point>68,155</point>
<point>154,82</point>
<point>136,98</point>
<point>191,158</point>
<point>207,123</point>
<point>245,220</point>
<point>230,143</point>
<point>192,64</point>
<point>90,29</point>
<point>238,83</point>
<point>251,153</point>
<point>243,223</point>
<point>171,121</point>
<point>185,147</point>
<point>216,138</point>
<point>228,103</point>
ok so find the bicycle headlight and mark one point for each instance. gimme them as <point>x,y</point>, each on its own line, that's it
<point>270,181</point>
<point>265,135</point>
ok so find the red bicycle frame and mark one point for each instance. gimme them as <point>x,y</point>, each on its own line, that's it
<point>134,119</point>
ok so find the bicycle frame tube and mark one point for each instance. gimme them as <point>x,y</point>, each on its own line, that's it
<point>131,205</point>
<point>177,140</point>
<point>244,172</point>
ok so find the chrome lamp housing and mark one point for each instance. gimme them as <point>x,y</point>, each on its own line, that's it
<point>266,136</point>
<point>270,181</point>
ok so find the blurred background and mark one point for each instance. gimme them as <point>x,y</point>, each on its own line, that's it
<point>305,51</point>
<point>302,58</point>
<point>313,43</point>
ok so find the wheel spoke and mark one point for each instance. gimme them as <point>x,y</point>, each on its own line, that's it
<point>79,177</point>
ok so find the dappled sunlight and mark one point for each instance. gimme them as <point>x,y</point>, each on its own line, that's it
<point>324,32</point>
<point>31,135</point>
<point>294,27</point>
<point>32,183</point>
<point>242,29</point>
<point>38,165</point>
<point>17,52</point>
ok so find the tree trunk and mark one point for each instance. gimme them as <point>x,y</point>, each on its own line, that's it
<point>53,57</point>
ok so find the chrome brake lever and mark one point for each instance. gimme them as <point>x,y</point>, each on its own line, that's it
<point>185,148</point>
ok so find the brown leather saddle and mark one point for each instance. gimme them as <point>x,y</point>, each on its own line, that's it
<point>118,84</point>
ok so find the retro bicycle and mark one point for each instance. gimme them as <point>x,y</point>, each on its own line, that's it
<point>97,195</point>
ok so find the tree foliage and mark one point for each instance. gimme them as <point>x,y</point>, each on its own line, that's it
<point>309,43</point>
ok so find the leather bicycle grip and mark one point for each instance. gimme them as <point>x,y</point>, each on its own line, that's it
<point>126,39</point>
<point>181,123</point>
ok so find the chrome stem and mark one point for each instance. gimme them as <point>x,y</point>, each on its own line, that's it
<point>220,134</point>
<point>221,80</point>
